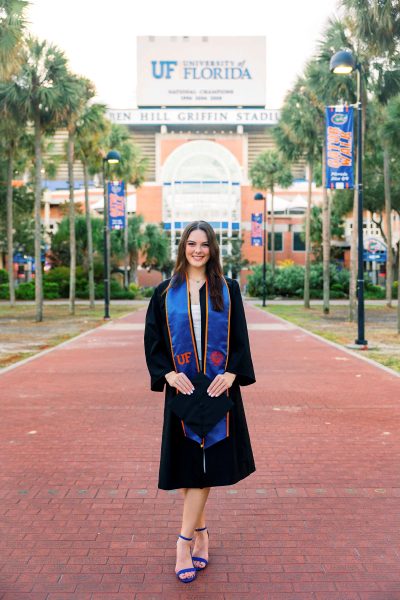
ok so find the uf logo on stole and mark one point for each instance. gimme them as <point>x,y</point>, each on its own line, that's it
<point>184,358</point>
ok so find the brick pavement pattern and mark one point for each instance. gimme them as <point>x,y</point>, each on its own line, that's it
<point>81,515</point>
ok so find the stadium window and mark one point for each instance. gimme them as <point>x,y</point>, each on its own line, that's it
<point>278,241</point>
<point>298,244</point>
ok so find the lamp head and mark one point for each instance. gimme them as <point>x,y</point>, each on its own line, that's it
<point>258,196</point>
<point>113,157</point>
<point>342,63</point>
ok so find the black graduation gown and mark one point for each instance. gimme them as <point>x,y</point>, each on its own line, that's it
<point>181,460</point>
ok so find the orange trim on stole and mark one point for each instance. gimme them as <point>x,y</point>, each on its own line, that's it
<point>229,323</point>
<point>191,325</point>
<point>206,333</point>
<point>169,332</point>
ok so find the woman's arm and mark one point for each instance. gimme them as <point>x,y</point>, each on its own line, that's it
<point>239,362</point>
<point>158,356</point>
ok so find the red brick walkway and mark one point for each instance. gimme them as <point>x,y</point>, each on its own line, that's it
<point>81,516</point>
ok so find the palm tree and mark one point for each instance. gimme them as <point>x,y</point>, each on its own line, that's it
<point>329,89</point>
<point>12,26</point>
<point>268,171</point>
<point>376,26</point>
<point>11,133</point>
<point>40,92</point>
<point>82,90</point>
<point>92,131</point>
<point>130,250</point>
<point>132,170</point>
<point>391,134</point>
<point>298,135</point>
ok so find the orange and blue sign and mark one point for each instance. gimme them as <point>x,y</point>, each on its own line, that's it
<point>339,142</point>
<point>256,229</point>
<point>116,204</point>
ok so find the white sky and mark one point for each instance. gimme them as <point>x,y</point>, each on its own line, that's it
<point>99,38</point>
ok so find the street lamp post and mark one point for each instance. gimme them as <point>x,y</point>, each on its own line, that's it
<point>342,63</point>
<point>112,157</point>
<point>259,196</point>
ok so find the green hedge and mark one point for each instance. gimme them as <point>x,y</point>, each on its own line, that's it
<point>4,291</point>
<point>3,276</point>
<point>289,281</point>
<point>25,291</point>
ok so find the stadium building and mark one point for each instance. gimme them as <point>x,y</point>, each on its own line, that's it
<point>201,121</point>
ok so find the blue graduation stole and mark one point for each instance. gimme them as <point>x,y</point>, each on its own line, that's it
<point>184,349</point>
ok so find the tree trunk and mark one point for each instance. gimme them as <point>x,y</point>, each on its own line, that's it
<point>308,218</point>
<point>398,288</point>
<point>72,240</point>
<point>388,214</point>
<point>326,236</point>
<point>10,244</point>
<point>126,235</point>
<point>38,228</point>
<point>272,233</point>
<point>89,238</point>
<point>133,260</point>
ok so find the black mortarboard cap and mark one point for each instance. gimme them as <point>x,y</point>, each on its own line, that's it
<point>198,410</point>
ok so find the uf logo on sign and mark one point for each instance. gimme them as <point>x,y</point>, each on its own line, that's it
<point>164,70</point>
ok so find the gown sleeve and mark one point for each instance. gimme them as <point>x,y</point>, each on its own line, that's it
<point>239,361</point>
<point>158,357</point>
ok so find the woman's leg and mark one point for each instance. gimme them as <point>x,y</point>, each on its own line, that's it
<point>200,548</point>
<point>193,508</point>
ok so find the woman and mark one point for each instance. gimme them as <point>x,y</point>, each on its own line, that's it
<point>195,323</point>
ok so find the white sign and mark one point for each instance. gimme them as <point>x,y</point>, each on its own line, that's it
<point>200,71</point>
<point>200,116</point>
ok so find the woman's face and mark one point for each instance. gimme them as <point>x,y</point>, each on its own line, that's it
<point>197,248</point>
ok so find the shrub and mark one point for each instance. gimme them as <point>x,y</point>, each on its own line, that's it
<point>337,294</point>
<point>375,292</point>
<point>135,289</point>
<point>4,291</point>
<point>316,294</point>
<point>25,291</point>
<point>289,280</point>
<point>51,290</point>
<point>147,292</point>
<point>255,281</point>
<point>82,289</point>
<point>3,276</point>
<point>342,278</point>
<point>59,275</point>
<point>116,291</point>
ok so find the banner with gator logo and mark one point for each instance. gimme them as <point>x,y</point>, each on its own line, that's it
<point>339,142</point>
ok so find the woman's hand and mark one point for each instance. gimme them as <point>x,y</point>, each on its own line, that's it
<point>180,382</point>
<point>221,383</point>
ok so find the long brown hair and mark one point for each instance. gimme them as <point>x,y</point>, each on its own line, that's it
<point>213,265</point>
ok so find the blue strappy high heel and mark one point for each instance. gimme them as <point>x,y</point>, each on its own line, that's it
<point>199,558</point>
<point>186,579</point>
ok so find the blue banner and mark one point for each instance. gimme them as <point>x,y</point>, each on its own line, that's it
<point>256,229</point>
<point>116,204</point>
<point>339,141</point>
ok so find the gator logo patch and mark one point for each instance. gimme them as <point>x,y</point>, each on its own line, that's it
<point>216,357</point>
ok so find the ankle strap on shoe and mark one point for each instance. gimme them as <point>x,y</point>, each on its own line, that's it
<point>201,529</point>
<point>185,538</point>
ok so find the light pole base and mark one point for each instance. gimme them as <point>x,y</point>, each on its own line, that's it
<point>359,345</point>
